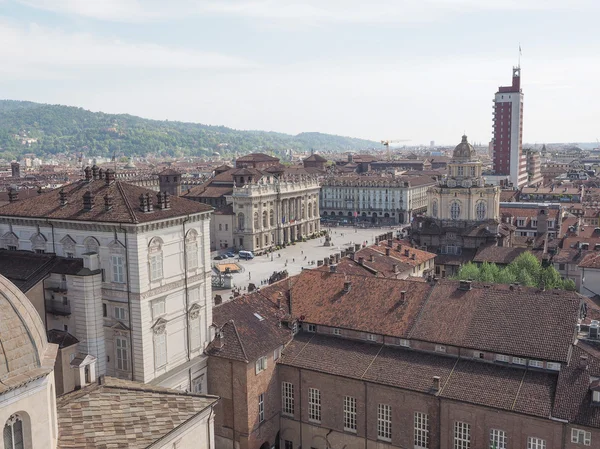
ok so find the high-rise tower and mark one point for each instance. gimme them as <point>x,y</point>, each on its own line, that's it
<point>508,156</point>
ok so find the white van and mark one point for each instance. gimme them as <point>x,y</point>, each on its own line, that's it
<point>246,255</point>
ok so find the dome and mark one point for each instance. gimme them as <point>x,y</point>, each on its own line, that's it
<point>464,150</point>
<point>23,340</point>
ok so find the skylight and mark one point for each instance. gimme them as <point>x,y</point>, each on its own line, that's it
<point>260,318</point>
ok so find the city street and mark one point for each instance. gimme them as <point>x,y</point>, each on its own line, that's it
<point>296,257</point>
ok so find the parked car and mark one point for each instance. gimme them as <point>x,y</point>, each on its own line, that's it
<point>220,257</point>
<point>230,254</point>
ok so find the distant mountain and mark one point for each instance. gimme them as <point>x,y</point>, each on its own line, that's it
<point>43,129</point>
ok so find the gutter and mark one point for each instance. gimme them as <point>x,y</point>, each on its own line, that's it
<point>128,299</point>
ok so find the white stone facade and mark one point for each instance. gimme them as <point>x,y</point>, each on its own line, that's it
<point>273,213</point>
<point>153,321</point>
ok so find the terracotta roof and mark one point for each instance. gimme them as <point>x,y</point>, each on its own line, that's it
<point>315,158</point>
<point>420,256</point>
<point>507,388</point>
<point>169,171</point>
<point>498,254</point>
<point>124,414</point>
<point>256,157</point>
<point>591,260</point>
<point>497,319</point>
<point>530,212</point>
<point>509,195</point>
<point>125,209</point>
<point>250,326</point>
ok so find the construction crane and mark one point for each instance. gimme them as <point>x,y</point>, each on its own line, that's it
<point>386,144</point>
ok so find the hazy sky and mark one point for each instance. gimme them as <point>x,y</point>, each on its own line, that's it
<point>379,69</point>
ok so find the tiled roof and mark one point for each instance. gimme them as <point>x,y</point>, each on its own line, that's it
<point>527,212</point>
<point>62,338</point>
<point>498,254</point>
<point>591,260</point>
<point>524,322</point>
<point>169,171</point>
<point>372,305</point>
<point>507,388</point>
<point>315,158</point>
<point>420,256</point>
<point>256,157</point>
<point>245,335</point>
<point>573,395</point>
<point>124,414</point>
<point>125,200</point>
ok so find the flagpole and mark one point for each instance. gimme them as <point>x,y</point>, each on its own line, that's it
<point>520,55</point>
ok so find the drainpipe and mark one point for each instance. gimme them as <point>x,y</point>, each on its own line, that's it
<point>187,300</point>
<point>53,242</point>
<point>232,407</point>
<point>128,298</point>
<point>300,404</point>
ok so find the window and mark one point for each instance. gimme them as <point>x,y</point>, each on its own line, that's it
<point>156,268</point>
<point>520,222</point>
<point>160,349</point>
<point>384,422</point>
<point>455,210</point>
<point>497,439</point>
<point>519,361</point>
<point>535,443</point>
<point>336,331</point>
<point>197,384</point>
<point>314,405</point>
<point>120,313</point>
<point>553,366</point>
<point>462,435</point>
<point>440,348</point>
<point>122,357</point>
<point>277,353</point>
<point>421,430</point>
<point>256,220</point>
<point>561,266</point>
<point>104,311</point>
<point>472,171</point>
<point>460,170</point>
<point>350,414</point>
<point>288,444</point>
<point>70,255</point>
<point>118,268</point>
<point>272,218</point>
<point>241,221</point>
<point>158,308</point>
<point>195,332</point>
<point>536,363</point>
<point>311,328</point>
<point>287,398</point>
<point>478,355</point>
<point>261,364</point>
<point>192,256</point>
<point>502,358</point>
<point>13,433</point>
<point>434,209</point>
<point>404,342</point>
<point>261,407</point>
<point>371,337</point>
<point>480,211</point>
<point>220,227</point>
<point>579,436</point>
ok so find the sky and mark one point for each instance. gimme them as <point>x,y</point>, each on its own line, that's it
<point>419,70</point>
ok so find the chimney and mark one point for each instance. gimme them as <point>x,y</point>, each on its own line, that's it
<point>88,201</point>
<point>464,285</point>
<point>390,243</point>
<point>143,204</point>
<point>101,173</point>
<point>160,203</point>
<point>347,286</point>
<point>218,300</point>
<point>399,247</point>
<point>40,190</point>
<point>88,173</point>
<point>13,195</point>
<point>412,256</point>
<point>149,204</point>
<point>371,258</point>
<point>167,200</point>
<point>109,176</point>
<point>406,252</point>
<point>361,260</point>
<point>219,339</point>
<point>395,267</point>
<point>583,362</point>
<point>403,295</point>
<point>101,379</point>
<point>387,252</point>
<point>333,268</point>
<point>436,383</point>
<point>62,197</point>
<point>108,202</point>
<point>326,261</point>
<point>94,172</point>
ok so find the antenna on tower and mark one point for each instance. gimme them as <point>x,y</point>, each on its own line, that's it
<point>520,54</point>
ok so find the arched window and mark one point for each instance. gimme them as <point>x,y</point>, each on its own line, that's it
<point>434,209</point>
<point>91,245</point>
<point>38,243</point>
<point>480,211</point>
<point>13,433</point>
<point>155,259</point>
<point>191,248</point>
<point>455,210</point>
<point>265,219</point>
<point>241,221</point>
<point>10,241</point>
<point>272,218</point>
<point>68,246</point>
<point>255,220</point>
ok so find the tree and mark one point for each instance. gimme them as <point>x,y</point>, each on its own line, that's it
<point>469,271</point>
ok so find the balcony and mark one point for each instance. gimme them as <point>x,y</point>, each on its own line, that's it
<point>58,306</point>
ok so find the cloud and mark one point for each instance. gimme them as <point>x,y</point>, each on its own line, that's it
<point>36,48</point>
<point>309,11</point>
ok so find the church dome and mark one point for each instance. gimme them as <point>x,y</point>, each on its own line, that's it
<point>464,150</point>
<point>23,340</point>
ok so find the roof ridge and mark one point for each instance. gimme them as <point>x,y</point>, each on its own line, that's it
<point>239,340</point>
<point>418,318</point>
<point>126,201</point>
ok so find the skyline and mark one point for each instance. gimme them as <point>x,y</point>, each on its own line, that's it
<point>392,70</point>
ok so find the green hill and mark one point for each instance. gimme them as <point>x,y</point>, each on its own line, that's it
<point>66,129</point>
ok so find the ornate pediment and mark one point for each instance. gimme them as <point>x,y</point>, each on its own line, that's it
<point>194,311</point>
<point>159,326</point>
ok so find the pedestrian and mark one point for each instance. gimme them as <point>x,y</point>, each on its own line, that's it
<point>249,275</point>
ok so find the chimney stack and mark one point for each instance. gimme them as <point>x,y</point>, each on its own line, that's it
<point>88,201</point>
<point>160,203</point>
<point>406,252</point>
<point>333,268</point>
<point>583,362</point>
<point>412,256</point>
<point>95,172</point>
<point>88,173</point>
<point>167,200</point>
<point>464,285</point>
<point>403,295</point>
<point>143,203</point>
<point>387,252</point>
<point>109,176</point>
<point>436,383</point>
<point>149,204</point>
<point>390,243</point>
<point>395,268</point>
<point>371,258</point>
<point>347,286</point>
<point>361,260</point>
<point>13,195</point>
<point>219,339</point>
<point>101,173</point>
<point>108,202</point>
<point>40,190</point>
<point>399,247</point>
<point>63,197</point>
